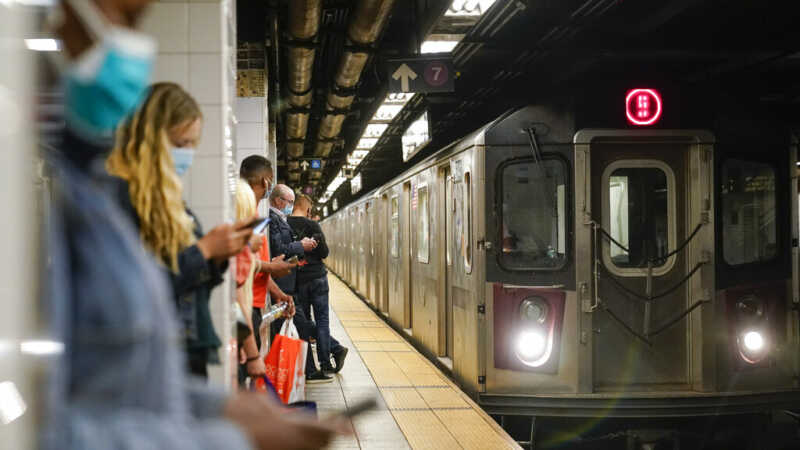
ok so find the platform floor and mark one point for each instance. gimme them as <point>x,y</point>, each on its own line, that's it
<point>419,407</point>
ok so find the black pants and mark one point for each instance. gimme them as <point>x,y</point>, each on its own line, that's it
<point>197,361</point>
<point>305,328</point>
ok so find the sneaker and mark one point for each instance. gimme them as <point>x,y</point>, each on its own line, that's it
<point>318,377</point>
<point>339,357</point>
<point>328,370</point>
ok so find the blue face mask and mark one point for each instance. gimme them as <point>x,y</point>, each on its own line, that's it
<point>288,209</point>
<point>110,79</point>
<point>182,157</point>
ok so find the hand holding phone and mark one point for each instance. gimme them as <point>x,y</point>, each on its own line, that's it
<point>359,408</point>
<point>253,223</point>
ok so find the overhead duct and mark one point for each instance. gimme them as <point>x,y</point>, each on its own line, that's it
<point>367,23</point>
<point>304,17</point>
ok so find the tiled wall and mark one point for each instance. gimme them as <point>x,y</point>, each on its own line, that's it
<point>197,49</point>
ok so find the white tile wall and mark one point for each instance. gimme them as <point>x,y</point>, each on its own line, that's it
<point>172,67</point>
<point>211,141</point>
<point>197,42</point>
<point>170,22</point>
<point>205,28</point>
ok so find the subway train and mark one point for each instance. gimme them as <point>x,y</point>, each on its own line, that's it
<point>621,252</point>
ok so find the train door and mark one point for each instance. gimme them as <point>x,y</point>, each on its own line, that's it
<point>643,216</point>
<point>406,255</point>
<point>396,275</point>
<point>381,251</point>
<point>363,250</point>
<point>446,215</point>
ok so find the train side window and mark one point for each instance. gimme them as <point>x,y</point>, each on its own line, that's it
<point>638,210</point>
<point>395,244</point>
<point>534,212</point>
<point>361,227</point>
<point>466,235</point>
<point>749,229</point>
<point>423,225</point>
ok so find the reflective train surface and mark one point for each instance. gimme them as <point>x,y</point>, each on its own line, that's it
<point>614,253</point>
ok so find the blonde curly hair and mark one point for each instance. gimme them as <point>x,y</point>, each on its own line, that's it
<point>142,156</point>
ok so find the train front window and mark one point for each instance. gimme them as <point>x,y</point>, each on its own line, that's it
<point>534,225</point>
<point>749,230</point>
<point>638,208</point>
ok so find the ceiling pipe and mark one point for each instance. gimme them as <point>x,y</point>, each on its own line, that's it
<point>304,18</point>
<point>366,25</point>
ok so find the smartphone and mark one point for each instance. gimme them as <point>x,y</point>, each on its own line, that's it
<point>261,226</point>
<point>253,223</point>
<point>359,408</point>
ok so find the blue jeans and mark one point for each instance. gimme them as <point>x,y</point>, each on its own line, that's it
<point>314,295</point>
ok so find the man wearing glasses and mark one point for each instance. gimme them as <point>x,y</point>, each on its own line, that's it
<point>282,241</point>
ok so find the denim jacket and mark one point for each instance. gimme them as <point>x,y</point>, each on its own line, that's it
<point>119,382</point>
<point>191,286</point>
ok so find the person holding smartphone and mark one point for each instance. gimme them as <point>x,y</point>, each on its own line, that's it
<point>312,286</point>
<point>119,381</point>
<point>282,241</point>
<point>154,147</point>
<point>256,170</point>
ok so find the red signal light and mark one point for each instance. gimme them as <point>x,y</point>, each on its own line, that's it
<point>643,106</point>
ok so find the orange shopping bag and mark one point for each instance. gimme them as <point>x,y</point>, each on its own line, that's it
<point>286,364</point>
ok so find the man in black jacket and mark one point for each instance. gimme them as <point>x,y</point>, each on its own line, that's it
<point>312,285</point>
<point>283,241</point>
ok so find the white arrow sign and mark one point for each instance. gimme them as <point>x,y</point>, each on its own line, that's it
<point>405,73</point>
<point>304,165</point>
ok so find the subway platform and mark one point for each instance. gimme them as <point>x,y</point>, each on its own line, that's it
<point>418,406</point>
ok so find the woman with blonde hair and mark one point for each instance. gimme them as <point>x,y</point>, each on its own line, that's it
<point>153,148</point>
<point>245,206</point>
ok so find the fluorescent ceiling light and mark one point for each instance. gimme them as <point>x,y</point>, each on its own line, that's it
<point>468,7</point>
<point>375,129</point>
<point>400,98</point>
<point>359,154</point>
<point>387,113</point>
<point>42,45</point>
<point>433,46</point>
<point>367,143</point>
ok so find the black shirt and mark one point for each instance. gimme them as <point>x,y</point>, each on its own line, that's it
<point>314,268</point>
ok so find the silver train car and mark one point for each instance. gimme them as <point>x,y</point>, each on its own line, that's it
<point>567,261</point>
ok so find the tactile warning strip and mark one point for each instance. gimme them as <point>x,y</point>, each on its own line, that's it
<point>430,410</point>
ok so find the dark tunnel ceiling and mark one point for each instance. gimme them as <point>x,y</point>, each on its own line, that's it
<point>750,48</point>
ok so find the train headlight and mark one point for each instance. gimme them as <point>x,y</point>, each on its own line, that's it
<point>534,341</point>
<point>753,346</point>
<point>753,341</point>
<point>530,345</point>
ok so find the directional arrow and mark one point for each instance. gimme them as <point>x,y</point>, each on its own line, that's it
<point>405,73</point>
<point>304,165</point>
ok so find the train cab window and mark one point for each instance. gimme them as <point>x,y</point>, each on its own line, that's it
<point>749,230</point>
<point>638,214</point>
<point>423,225</point>
<point>534,224</point>
<point>395,243</point>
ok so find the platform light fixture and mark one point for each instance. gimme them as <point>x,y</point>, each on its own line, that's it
<point>42,45</point>
<point>438,46</point>
<point>468,7</point>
